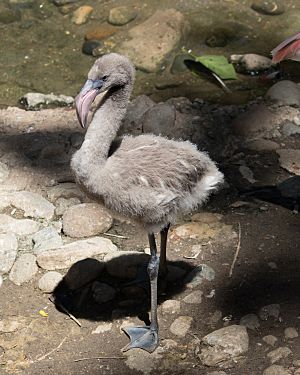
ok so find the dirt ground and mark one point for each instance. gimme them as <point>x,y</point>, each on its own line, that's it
<point>266,272</point>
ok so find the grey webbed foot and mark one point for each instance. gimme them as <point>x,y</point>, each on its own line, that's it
<point>141,337</point>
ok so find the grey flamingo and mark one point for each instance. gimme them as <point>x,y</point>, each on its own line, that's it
<point>147,178</point>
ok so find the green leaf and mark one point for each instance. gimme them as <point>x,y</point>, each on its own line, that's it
<point>219,65</point>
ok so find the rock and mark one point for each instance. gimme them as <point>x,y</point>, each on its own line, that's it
<point>102,292</point>
<point>250,321</point>
<point>71,253</point>
<point>268,311</point>
<point>284,93</point>
<point>270,340</point>
<point>83,272</point>
<point>290,333</point>
<point>262,145</point>
<point>178,65</point>
<point>121,15</point>
<point>194,297</point>
<point>11,324</point>
<point>102,328</point>
<point>8,15</point>
<point>142,361</point>
<point>49,281</point>
<point>63,204</point>
<point>170,306</point>
<point>1,281</point>
<point>147,49</point>
<point>24,269</point>
<point>279,353</point>
<point>35,100</point>
<point>33,204</point>
<point>224,344</point>
<point>81,15</point>
<point>135,111</point>
<point>86,219</point>
<point>4,172</point>
<point>20,227</point>
<point>100,32</point>
<point>251,62</point>
<point>46,239</point>
<point>89,46</point>
<point>66,190</point>
<point>8,251</point>
<point>247,174</point>
<point>217,373</point>
<point>124,264</point>
<point>217,38</point>
<point>64,2</point>
<point>270,7</point>
<point>181,325</point>
<point>257,119</point>
<point>168,344</point>
<point>198,275</point>
<point>289,129</point>
<point>276,370</point>
<point>289,159</point>
<point>159,119</point>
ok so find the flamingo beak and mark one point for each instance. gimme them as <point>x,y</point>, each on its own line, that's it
<point>85,98</point>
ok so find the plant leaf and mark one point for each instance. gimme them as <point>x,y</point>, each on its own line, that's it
<point>218,65</point>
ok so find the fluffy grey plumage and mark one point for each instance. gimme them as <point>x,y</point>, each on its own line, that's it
<point>148,178</point>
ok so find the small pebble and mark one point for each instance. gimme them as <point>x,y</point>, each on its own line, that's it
<point>181,325</point>
<point>270,340</point>
<point>250,321</point>
<point>279,353</point>
<point>49,281</point>
<point>170,306</point>
<point>81,15</point>
<point>290,333</point>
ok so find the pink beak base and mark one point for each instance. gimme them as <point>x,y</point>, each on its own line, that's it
<point>83,102</point>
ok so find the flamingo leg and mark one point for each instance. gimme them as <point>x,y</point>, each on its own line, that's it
<point>146,338</point>
<point>163,251</point>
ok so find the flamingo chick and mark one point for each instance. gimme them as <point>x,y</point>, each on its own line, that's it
<point>147,178</point>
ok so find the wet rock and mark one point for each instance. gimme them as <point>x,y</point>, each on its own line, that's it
<point>159,119</point>
<point>289,159</point>
<point>178,65</point>
<point>24,269</point>
<point>65,190</point>
<point>81,15</point>
<point>269,311</point>
<point>67,255</point>
<point>63,204</point>
<point>33,204</point>
<point>181,325</point>
<point>89,46</point>
<point>279,353</point>
<point>87,219</point>
<point>147,49</point>
<point>64,2</point>
<point>250,321</point>
<point>290,333</point>
<point>276,370</point>
<point>49,281</point>
<point>8,15</point>
<point>35,100</point>
<point>11,324</point>
<point>251,62</point>
<point>270,340</point>
<point>270,7</point>
<point>21,227</point>
<point>124,264</point>
<point>216,39</point>
<point>121,15</point>
<point>83,272</point>
<point>262,145</point>
<point>284,93</point>
<point>46,239</point>
<point>198,275</point>
<point>100,32</point>
<point>289,129</point>
<point>103,292</point>
<point>224,344</point>
<point>194,297</point>
<point>102,328</point>
<point>170,306</point>
<point>8,251</point>
<point>254,121</point>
